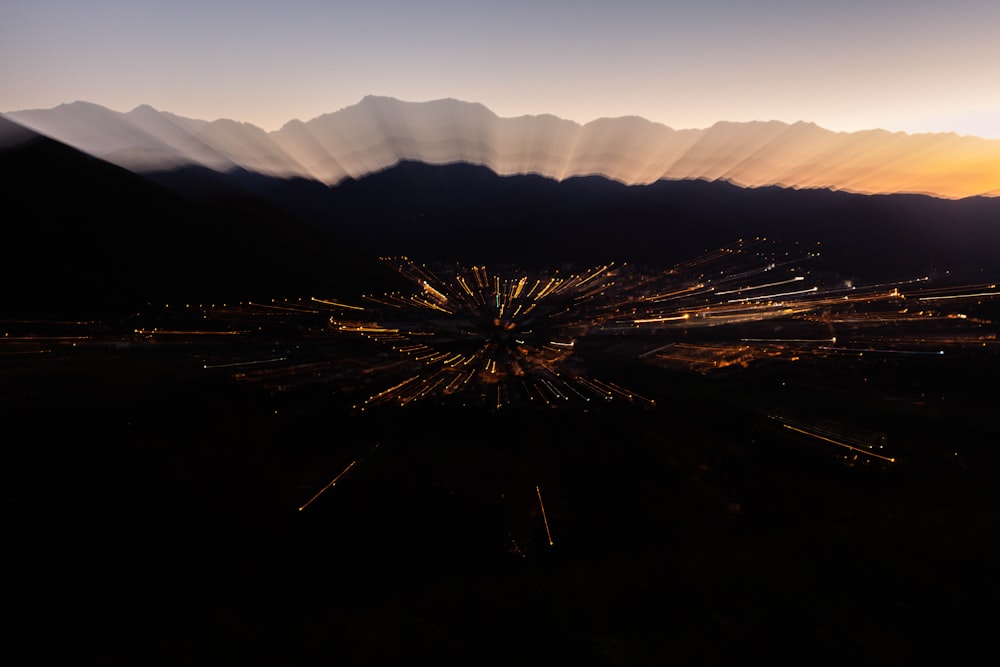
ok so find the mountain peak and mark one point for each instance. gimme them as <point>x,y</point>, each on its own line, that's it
<point>82,104</point>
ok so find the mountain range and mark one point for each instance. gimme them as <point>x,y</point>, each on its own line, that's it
<point>380,132</point>
<point>84,235</point>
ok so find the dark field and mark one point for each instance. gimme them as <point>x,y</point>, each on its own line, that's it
<point>153,506</point>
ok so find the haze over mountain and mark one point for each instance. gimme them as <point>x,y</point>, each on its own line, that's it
<point>380,132</point>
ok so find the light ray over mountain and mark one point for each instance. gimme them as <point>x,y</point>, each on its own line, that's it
<point>379,132</point>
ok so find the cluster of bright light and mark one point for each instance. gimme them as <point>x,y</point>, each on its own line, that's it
<point>501,336</point>
<point>506,336</point>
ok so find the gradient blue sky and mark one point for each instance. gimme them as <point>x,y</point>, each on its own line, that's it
<point>911,65</point>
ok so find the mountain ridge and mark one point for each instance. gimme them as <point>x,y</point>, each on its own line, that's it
<point>113,237</point>
<point>379,132</point>
<point>86,237</point>
<point>446,212</point>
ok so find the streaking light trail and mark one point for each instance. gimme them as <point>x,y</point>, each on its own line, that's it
<point>502,336</point>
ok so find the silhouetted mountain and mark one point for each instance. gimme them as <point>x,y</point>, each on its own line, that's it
<point>380,132</point>
<point>468,213</point>
<point>84,236</point>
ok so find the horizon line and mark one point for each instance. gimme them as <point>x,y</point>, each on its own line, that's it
<point>372,96</point>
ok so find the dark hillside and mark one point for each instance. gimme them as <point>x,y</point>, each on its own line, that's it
<point>469,213</point>
<point>82,236</point>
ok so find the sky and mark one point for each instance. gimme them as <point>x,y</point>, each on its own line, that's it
<point>909,65</point>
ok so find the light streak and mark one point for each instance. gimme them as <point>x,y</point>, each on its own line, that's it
<point>764,297</point>
<point>958,296</point>
<point>873,350</point>
<point>788,340</point>
<point>757,287</point>
<point>335,304</point>
<point>673,318</point>
<point>332,483</point>
<point>245,363</point>
<point>545,518</point>
<point>839,444</point>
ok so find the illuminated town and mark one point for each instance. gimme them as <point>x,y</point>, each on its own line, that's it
<point>501,338</point>
<point>507,337</point>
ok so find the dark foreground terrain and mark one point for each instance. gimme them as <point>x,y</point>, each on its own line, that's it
<point>153,516</point>
<point>153,483</point>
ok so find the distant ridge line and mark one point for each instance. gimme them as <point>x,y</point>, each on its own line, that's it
<point>380,132</point>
